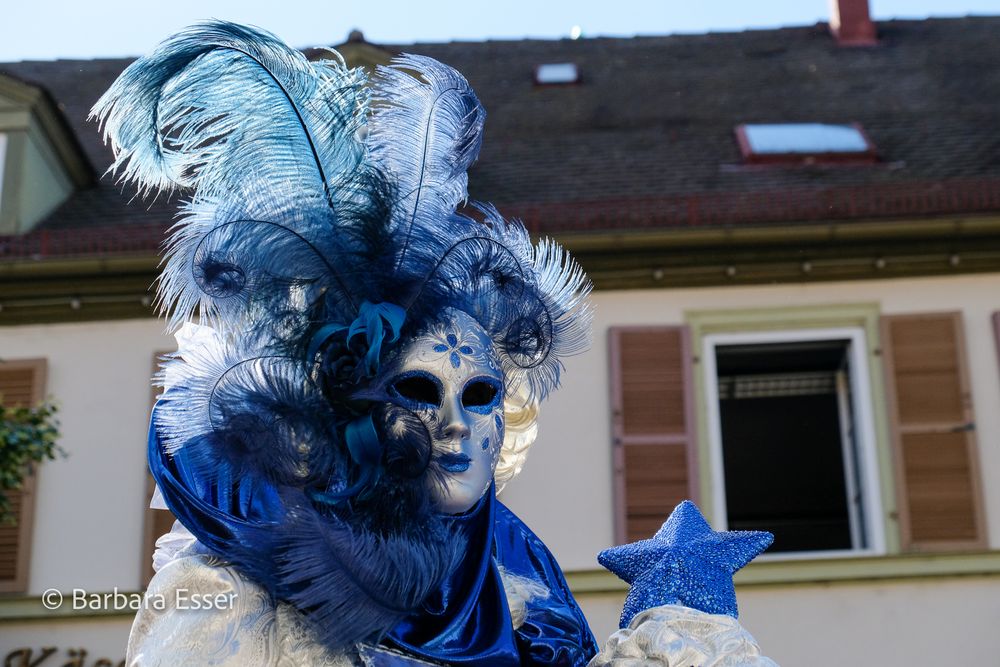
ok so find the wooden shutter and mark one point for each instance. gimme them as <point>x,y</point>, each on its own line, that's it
<point>22,383</point>
<point>157,522</point>
<point>652,426</point>
<point>930,404</point>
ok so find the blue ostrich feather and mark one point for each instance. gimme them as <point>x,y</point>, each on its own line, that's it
<point>268,143</point>
<point>378,579</point>
<point>352,583</point>
<point>250,412</point>
<point>218,103</point>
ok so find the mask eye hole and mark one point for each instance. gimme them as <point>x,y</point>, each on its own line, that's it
<point>418,389</point>
<point>480,396</point>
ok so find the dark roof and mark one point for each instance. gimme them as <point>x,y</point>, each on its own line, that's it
<point>646,138</point>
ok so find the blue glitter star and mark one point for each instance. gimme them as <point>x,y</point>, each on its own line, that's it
<point>686,563</point>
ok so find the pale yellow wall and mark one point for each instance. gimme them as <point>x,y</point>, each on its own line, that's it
<point>88,527</point>
<point>565,491</point>
<point>89,505</point>
<point>890,624</point>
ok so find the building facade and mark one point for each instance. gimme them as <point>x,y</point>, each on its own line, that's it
<point>795,241</point>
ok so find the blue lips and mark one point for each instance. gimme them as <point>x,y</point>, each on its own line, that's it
<point>454,462</point>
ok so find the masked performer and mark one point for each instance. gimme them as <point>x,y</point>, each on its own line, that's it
<point>365,374</point>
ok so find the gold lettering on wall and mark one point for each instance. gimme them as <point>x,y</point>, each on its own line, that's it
<point>73,657</point>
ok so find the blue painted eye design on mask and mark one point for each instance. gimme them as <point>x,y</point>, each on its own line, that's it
<point>417,390</point>
<point>481,395</point>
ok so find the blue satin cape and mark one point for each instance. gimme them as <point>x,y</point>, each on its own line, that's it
<point>466,623</point>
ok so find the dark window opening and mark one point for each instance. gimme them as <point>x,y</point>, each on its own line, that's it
<point>789,454</point>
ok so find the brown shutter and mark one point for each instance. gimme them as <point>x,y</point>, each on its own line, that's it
<point>22,383</point>
<point>157,522</point>
<point>652,426</point>
<point>930,404</point>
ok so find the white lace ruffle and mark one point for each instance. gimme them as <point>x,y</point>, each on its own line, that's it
<point>675,636</point>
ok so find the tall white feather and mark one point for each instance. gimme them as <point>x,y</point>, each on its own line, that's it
<point>426,130</point>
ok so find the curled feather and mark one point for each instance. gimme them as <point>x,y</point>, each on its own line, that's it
<point>563,316</point>
<point>255,415</point>
<point>234,270</point>
<point>532,299</point>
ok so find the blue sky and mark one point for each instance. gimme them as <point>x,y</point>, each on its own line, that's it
<point>45,29</point>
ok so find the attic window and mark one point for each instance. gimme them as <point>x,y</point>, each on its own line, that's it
<point>551,74</point>
<point>804,143</point>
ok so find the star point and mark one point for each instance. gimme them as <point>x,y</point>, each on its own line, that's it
<point>685,562</point>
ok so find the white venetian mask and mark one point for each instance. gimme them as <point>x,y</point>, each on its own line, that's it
<point>449,377</point>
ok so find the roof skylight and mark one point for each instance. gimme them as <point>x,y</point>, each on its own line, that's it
<point>804,142</point>
<point>556,73</point>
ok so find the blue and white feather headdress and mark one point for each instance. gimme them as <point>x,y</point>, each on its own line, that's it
<point>320,229</point>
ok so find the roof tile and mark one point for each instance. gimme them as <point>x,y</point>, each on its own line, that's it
<point>653,118</point>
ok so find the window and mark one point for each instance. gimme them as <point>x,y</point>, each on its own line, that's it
<point>556,73</point>
<point>842,430</point>
<point>792,439</point>
<point>804,143</point>
<point>43,158</point>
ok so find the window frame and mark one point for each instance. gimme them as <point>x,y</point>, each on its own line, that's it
<point>864,419</point>
<point>867,156</point>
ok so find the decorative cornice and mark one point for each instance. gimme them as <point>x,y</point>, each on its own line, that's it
<point>41,281</point>
<point>77,289</point>
<point>801,253</point>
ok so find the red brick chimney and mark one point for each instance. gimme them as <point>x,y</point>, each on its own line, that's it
<point>851,23</point>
